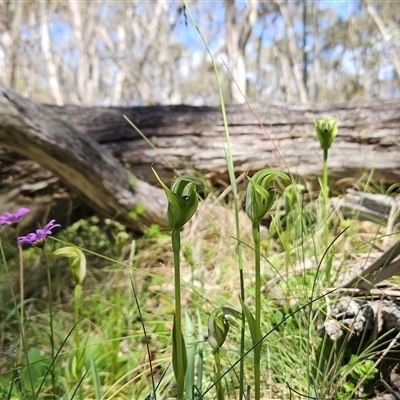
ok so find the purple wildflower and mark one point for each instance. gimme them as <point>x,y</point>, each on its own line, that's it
<point>13,219</point>
<point>37,238</point>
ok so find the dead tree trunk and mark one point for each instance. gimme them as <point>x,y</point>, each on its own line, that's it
<point>96,154</point>
<point>36,132</point>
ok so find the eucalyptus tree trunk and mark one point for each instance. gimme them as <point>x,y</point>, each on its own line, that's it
<point>45,44</point>
<point>237,36</point>
<point>10,26</point>
<point>293,52</point>
<point>387,37</point>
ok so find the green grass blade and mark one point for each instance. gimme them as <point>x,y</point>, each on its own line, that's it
<point>190,353</point>
<point>96,377</point>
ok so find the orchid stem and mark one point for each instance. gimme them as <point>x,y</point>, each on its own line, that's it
<point>325,214</point>
<point>218,383</point>
<point>176,247</point>
<point>79,350</point>
<point>257,349</point>
<point>50,288</point>
<point>22,295</point>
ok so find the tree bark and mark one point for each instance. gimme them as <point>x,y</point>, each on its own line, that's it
<point>386,37</point>
<point>238,32</point>
<point>293,51</point>
<point>10,27</point>
<point>36,132</point>
<point>45,42</point>
<point>95,153</point>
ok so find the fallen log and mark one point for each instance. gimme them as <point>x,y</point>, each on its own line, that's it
<point>96,153</point>
<point>279,135</point>
<point>36,132</point>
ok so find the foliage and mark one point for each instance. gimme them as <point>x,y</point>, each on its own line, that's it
<point>354,371</point>
<point>115,363</point>
<point>111,337</point>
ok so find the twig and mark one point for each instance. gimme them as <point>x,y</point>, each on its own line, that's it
<point>381,262</point>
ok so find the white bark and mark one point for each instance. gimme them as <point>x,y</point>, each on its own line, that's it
<point>237,37</point>
<point>51,66</point>
<point>130,52</point>
<point>10,25</point>
<point>386,37</point>
<point>284,77</point>
<point>85,18</point>
<point>293,51</point>
<point>317,54</point>
<point>121,73</point>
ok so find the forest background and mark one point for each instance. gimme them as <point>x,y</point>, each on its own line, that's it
<point>147,52</point>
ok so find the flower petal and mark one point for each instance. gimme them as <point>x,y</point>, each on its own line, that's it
<point>38,237</point>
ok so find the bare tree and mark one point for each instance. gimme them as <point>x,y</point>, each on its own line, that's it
<point>10,26</point>
<point>386,37</point>
<point>317,53</point>
<point>85,21</point>
<point>237,36</point>
<point>141,52</point>
<point>294,53</point>
<point>51,66</point>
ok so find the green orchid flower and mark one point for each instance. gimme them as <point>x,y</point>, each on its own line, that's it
<point>218,326</point>
<point>326,129</point>
<point>77,263</point>
<point>182,200</point>
<point>182,204</point>
<point>260,195</point>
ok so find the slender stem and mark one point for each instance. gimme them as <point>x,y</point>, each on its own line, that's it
<point>79,350</point>
<point>22,317</point>
<point>242,296</point>
<point>325,215</point>
<point>232,180</point>
<point>50,288</point>
<point>77,306</point>
<point>22,296</point>
<point>218,383</point>
<point>200,353</point>
<point>257,267</point>
<point>325,189</point>
<point>176,247</point>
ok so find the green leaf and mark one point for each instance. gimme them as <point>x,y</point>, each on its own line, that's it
<point>250,321</point>
<point>200,359</point>
<point>292,195</point>
<point>95,376</point>
<point>190,354</point>
<point>349,387</point>
<point>231,312</point>
<point>36,371</point>
<point>256,338</point>
<point>179,360</point>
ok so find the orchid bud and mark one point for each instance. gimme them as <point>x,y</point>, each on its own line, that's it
<point>77,262</point>
<point>182,200</point>
<point>259,195</point>
<point>218,326</point>
<point>292,196</point>
<point>326,129</point>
